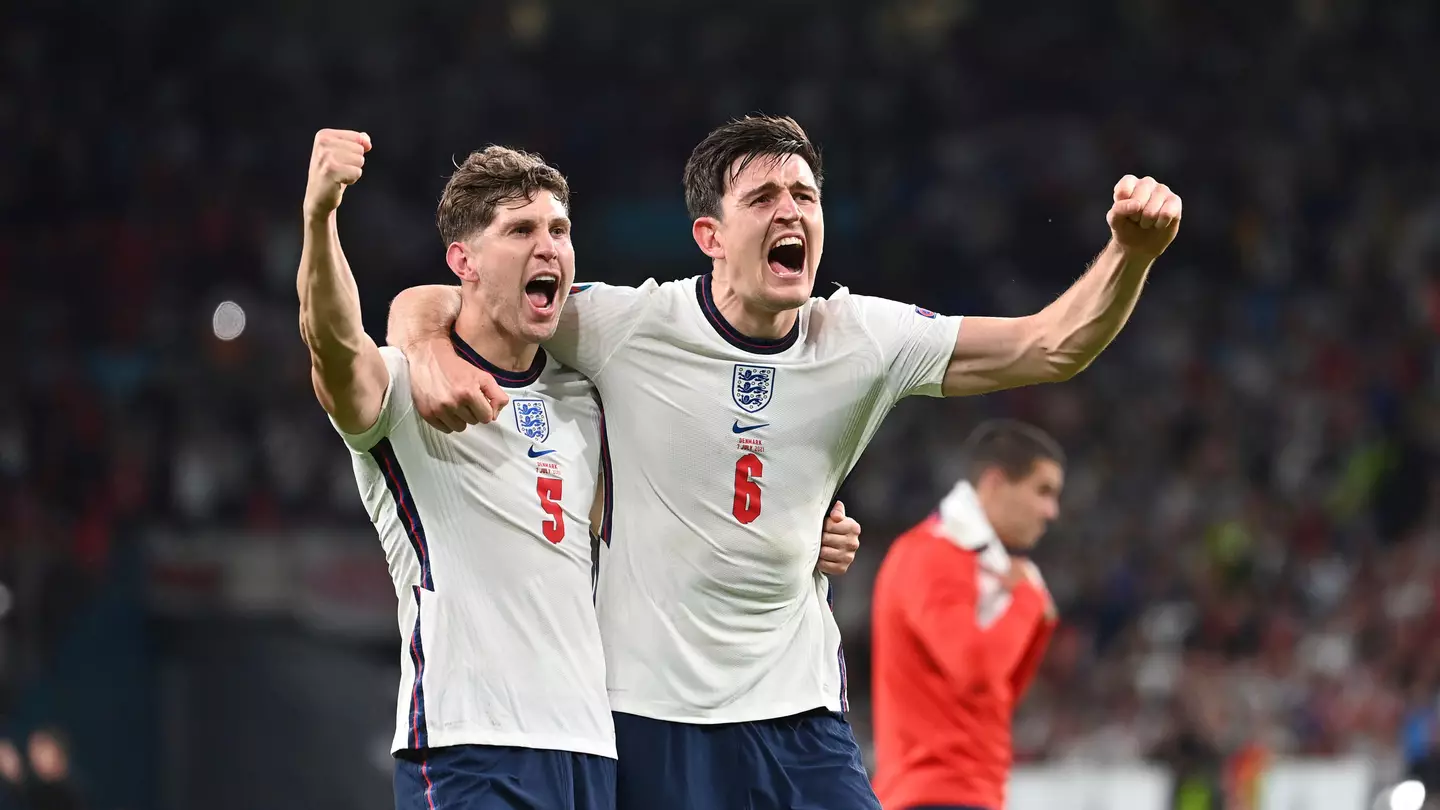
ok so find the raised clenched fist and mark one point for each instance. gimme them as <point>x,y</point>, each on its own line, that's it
<point>337,161</point>
<point>1145,216</point>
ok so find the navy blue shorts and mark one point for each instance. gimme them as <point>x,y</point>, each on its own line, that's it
<point>807,762</point>
<point>494,777</point>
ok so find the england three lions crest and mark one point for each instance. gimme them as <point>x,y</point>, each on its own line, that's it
<point>752,386</point>
<point>531,419</point>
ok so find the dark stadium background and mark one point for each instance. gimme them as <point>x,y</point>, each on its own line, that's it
<point>1249,558</point>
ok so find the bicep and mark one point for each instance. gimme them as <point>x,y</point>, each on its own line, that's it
<point>992,354</point>
<point>354,393</point>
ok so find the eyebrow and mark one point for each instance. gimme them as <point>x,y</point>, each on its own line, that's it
<point>772,186</point>
<point>532,222</point>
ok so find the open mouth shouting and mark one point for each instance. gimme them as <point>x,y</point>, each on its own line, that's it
<point>786,256</point>
<point>543,291</point>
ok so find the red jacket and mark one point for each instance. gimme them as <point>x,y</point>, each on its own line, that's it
<point>953,654</point>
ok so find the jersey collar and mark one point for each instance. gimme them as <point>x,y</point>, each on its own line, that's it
<point>507,379</point>
<point>963,522</point>
<point>733,336</point>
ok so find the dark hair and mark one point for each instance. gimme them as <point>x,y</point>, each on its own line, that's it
<point>1012,446</point>
<point>708,171</point>
<point>492,177</point>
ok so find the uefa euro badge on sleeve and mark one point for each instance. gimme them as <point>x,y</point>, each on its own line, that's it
<point>753,386</point>
<point>531,419</point>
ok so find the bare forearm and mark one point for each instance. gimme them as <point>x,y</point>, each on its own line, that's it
<point>330,319</point>
<point>1062,339</point>
<point>1083,321</point>
<point>422,313</point>
<point>1054,344</point>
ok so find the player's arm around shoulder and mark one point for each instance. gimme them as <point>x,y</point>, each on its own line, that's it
<point>423,313</point>
<point>346,369</point>
<point>1062,339</point>
<point>449,393</point>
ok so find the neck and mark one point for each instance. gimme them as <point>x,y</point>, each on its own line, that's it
<point>750,320</point>
<point>988,510</point>
<point>486,338</point>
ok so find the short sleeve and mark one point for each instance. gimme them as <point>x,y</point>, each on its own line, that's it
<point>596,322</point>
<point>916,343</point>
<point>396,405</point>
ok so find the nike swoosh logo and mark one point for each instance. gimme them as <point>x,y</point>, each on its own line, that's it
<point>747,428</point>
<point>533,453</point>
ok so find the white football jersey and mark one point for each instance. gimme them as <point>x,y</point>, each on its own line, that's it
<point>487,534</point>
<point>727,454</point>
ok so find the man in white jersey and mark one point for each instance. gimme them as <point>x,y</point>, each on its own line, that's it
<point>737,403</point>
<point>502,699</point>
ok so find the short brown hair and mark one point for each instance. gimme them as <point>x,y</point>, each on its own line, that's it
<point>1011,446</point>
<point>492,177</point>
<point>707,172</point>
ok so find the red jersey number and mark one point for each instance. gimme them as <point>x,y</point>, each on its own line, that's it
<point>747,492</point>
<point>549,490</point>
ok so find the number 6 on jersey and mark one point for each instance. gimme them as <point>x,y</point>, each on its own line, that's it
<point>747,493</point>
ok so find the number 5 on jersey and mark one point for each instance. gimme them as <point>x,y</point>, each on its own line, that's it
<point>549,490</point>
<point>747,492</point>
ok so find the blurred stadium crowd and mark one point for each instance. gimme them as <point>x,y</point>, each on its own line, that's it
<point>1249,558</point>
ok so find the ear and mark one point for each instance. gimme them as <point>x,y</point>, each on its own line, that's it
<point>706,231</point>
<point>459,261</point>
<point>990,479</point>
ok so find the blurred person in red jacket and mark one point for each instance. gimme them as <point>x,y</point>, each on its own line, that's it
<point>960,626</point>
